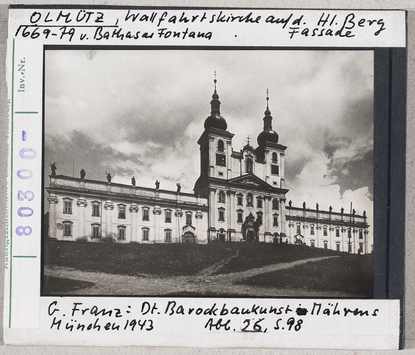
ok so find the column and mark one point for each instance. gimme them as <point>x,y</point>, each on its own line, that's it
<point>133,235</point>
<point>157,216</point>
<point>108,206</point>
<point>53,201</point>
<point>81,203</point>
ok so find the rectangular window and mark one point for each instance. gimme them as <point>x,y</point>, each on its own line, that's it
<point>167,238</point>
<point>350,247</point>
<point>325,232</point>
<point>188,219</point>
<point>325,244</point>
<point>240,200</point>
<point>312,230</point>
<point>220,160</point>
<point>275,169</point>
<point>360,234</point>
<point>167,216</point>
<point>221,215</point>
<point>67,229</point>
<point>349,233</point>
<point>121,233</point>
<point>337,246</point>
<point>96,232</point>
<point>259,202</point>
<point>360,248</point>
<point>275,224</point>
<point>145,234</point>
<point>337,232</point>
<point>240,217</point>
<point>121,211</point>
<point>146,216</point>
<point>67,207</point>
<point>298,229</point>
<point>95,210</point>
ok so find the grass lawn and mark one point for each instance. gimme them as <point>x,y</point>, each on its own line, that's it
<point>166,260</point>
<point>57,285</point>
<point>255,255</point>
<point>347,273</point>
<point>162,260</point>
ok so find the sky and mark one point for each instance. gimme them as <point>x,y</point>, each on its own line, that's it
<point>141,112</point>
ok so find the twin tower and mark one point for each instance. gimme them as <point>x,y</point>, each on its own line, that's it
<point>245,189</point>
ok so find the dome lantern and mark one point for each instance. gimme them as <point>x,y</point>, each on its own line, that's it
<point>215,120</point>
<point>268,134</point>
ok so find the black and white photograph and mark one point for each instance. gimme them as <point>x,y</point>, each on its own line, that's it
<point>206,172</point>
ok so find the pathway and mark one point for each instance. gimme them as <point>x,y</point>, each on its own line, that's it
<point>202,283</point>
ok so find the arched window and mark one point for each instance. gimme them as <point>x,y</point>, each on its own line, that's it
<point>221,197</point>
<point>221,146</point>
<point>275,204</point>
<point>275,158</point>
<point>249,165</point>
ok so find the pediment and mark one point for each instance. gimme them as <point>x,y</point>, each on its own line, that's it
<point>250,180</point>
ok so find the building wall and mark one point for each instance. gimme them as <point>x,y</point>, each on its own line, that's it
<point>145,217</point>
<point>327,229</point>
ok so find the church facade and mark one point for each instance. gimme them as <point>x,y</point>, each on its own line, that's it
<point>240,196</point>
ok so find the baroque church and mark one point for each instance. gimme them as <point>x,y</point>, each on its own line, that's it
<point>240,196</point>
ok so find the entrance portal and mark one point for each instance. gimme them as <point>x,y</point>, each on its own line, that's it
<point>250,235</point>
<point>188,237</point>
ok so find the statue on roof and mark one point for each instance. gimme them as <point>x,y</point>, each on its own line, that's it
<point>157,184</point>
<point>53,168</point>
<point>179,187</point>
<point>83,174</point>
<point>133,181</point>
<point>108,177</point>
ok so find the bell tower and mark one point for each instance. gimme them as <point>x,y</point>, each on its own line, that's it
<point>215,147</point>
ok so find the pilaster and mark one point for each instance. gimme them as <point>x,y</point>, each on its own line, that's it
<point>81,203</point>
<point>133,235</point>
<point>53,201</point>
<point>107,228</point>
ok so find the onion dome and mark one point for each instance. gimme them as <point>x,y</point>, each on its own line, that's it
<point>267,135</point>
<point>215,120</point>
